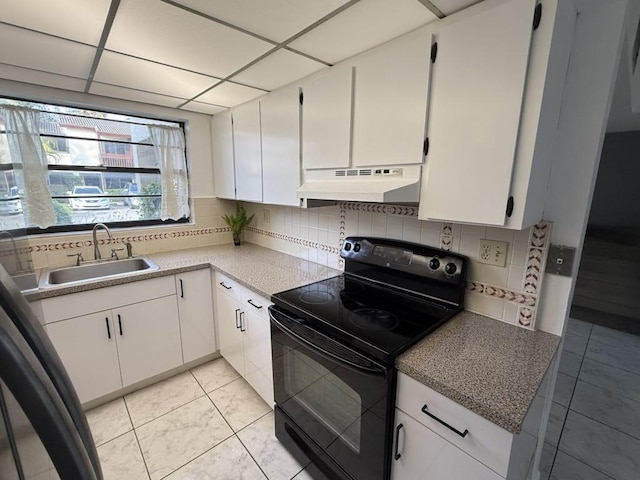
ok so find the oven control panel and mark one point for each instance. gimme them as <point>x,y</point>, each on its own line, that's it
<point>417,259</point>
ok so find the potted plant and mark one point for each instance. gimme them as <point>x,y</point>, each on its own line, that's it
<point>237,222</point>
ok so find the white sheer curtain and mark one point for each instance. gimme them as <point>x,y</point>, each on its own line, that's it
<point>169,146</point>
<point>23,137</point>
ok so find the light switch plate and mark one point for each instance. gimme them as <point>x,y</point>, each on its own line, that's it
<point>492,252</point>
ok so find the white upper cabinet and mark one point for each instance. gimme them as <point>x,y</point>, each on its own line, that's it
<point>390,104</point>
<point>326,119</point>
<point>247,152</point>
<point>280,118</point>
<point>495,100</point>
<point>223,168</point>
<point>478,82</point>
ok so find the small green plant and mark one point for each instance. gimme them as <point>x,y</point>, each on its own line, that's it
<point>238,222</point>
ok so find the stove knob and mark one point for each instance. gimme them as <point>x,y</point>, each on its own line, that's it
<point>450,268</point>
<point>434,263</point>
<point>356,247</point>
<point>347,246</point>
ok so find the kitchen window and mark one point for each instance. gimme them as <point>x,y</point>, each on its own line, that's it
<point>65,169</point>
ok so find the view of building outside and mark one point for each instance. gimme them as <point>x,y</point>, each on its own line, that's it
<point>113,154</point>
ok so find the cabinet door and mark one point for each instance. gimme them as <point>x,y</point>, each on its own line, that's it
<point>474,114</point>
<point>87,347</point>
<point>148,336</point>
<point>280,121</point>
<point>257,348</point>
<point>326,119</point>
<point>223,164</point>
<point>231,338</point>
<point>390,104</point>
<point>195,307</point>
<point>247,152</point>
<point>424,455</point>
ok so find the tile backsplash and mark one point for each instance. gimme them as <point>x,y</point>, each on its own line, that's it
<point>208,228</point>
<point>507,293</point>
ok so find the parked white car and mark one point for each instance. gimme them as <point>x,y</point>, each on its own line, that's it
<point>87,202</point>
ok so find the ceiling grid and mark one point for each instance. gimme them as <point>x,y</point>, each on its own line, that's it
<point>199,55</point>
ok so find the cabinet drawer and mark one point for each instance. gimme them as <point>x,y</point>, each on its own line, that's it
<point>420,454</point>
<point>255,303</point>
<point>228,286</point>
<point>485,441</point>
<point>83,303</point>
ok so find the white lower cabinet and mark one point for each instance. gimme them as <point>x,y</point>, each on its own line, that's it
<point>111,338</point>
<point>245,336</point>
<point>195,309</point>
<point>148,339</point>
<point>87,347</point>
<point>421,454</point>
<point>439,439</point>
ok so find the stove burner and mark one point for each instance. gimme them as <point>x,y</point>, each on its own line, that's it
<point>316,297</point>
<point>373,319</point>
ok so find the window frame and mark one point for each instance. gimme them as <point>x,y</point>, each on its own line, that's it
<point>129,224</point>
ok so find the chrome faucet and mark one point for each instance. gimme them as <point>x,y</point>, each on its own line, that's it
<point>96,250</point>
<point>16,255</point>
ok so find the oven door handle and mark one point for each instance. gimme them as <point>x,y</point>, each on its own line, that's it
<point>361,367</point>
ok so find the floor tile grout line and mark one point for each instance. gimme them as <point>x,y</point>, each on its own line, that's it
<point>622,395</point>
<point>169,411</point>
<point>250,455</point>
<point>564,422</point>
<point>135,434</point>
<point>604,424</point>
<point>583,463</point>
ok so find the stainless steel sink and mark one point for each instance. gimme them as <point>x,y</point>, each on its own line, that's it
<point>26,281</point>
<point>95,271</point>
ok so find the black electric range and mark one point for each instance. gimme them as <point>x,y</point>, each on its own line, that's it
<point>334,343</point>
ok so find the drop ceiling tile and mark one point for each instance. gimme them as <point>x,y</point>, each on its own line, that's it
<point>79,20</point>
<point>158,31</point>
<point>365,25</point>
<point>451,6</point>
<point>202,108</point>
<point>276,19</point>
<point>42,52</point>
<point>134,95</point>
<point>278,69</point>
<point>229,94</point>
<point>125,71</point>
<point>26,75</point>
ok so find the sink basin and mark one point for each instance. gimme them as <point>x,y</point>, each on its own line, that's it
<point>95,271</point>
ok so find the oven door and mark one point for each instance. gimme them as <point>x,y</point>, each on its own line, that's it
<point>336,402</point>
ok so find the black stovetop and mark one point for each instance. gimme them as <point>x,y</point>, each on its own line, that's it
<point>375,319</point>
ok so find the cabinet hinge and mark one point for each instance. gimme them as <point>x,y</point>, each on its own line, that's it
<point>301,98</point>
<point>537,15</point>
<point>434,52</point>
<point>510,206</point>
<point>425,146</point>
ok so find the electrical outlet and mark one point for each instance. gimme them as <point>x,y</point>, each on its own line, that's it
<point>266,215</point>
<point>492,252</point>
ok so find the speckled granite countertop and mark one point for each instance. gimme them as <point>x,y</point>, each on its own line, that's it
<point>261,269</point>
<point>491,368</point>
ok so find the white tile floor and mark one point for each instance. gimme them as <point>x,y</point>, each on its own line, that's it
<point>201,424</point>
<point>594,427</point>
<point>208,423</point>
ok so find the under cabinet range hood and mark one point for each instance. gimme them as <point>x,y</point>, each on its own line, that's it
<point>390,184</point>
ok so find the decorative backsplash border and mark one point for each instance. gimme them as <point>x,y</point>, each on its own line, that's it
<point>538,245</point>
<point>296,240</point>
<point>56,246</point>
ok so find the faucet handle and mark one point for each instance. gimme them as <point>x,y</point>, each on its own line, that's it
<point>129,249</point>
<point>114,252</point>
<point>78,256</point>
